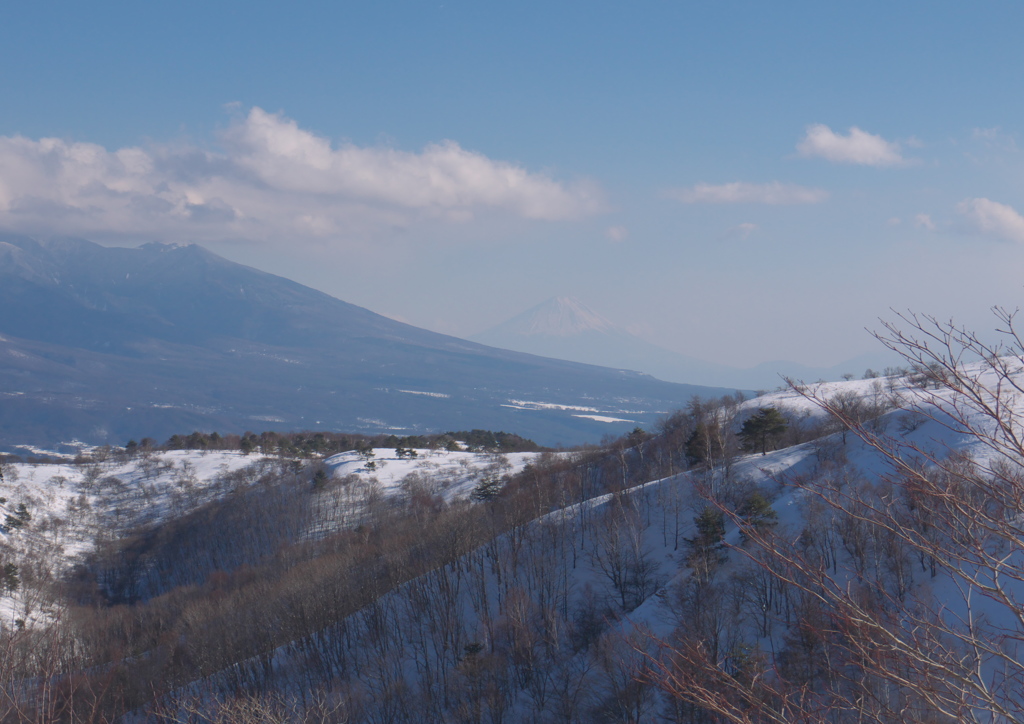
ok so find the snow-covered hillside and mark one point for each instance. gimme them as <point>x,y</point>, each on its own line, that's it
<point>901,535</point>
<point>621,572</point>
<point>672,575</point>
<point>71,507</point>
<point>58,512</point>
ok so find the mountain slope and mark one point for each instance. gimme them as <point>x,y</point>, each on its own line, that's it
<point>109,343</point>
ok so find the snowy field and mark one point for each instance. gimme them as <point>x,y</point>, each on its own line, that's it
<point>452,474</point>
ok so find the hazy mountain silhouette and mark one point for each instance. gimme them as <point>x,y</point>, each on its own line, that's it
<point>557,317</point>
<point>107,343</point>
<point>565,328</point>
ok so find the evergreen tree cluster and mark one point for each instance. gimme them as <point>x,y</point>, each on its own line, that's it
<point>318,444</point>
<point>763,429</point>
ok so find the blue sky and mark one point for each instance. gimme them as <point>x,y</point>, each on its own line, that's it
<point>738,181</point>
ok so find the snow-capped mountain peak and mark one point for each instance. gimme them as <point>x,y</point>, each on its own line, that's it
<point>557,317</point>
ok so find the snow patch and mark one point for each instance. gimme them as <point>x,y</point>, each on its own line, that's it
<point>529,405</point>
<point>427,394</point>
<point>604,418</point>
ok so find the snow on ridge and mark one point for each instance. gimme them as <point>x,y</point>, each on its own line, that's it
<point>901,391</point>
<point>529,405</point>
<point>604,418</point>
<point>427,394</point>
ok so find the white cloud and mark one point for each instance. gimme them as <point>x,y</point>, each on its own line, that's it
<point>924,221</point>
<point>740,231</point>
<point>272,178</point>
<point>857,147</point>
<point>740,192</point>
<point>995,141</point>
<point>617,233</point>
<point>993,219</point>
<point>995,137</point>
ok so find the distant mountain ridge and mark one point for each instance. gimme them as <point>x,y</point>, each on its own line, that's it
<point>565,328</point>
<point>104,343</point>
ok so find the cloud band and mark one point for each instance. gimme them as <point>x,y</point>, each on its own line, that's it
<point>271,178</point>
<point>739,192</point>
